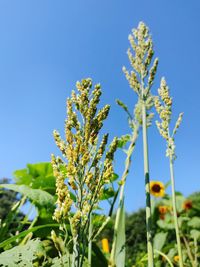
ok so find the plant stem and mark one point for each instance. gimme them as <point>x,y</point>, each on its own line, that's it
<point>175,213</point>
<point>147,189</point>
<point>165,256</point>
<point>189,251</point>
<point>195,252</point>
<point>90,242</point>
<point>121,197</point>
<point>75,255</point>
<point>128,161</point>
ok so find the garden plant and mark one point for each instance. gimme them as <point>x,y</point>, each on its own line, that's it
<point>70,228</point>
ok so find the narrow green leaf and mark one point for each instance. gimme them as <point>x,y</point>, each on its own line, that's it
<point>24,233</point>
<point>120,238</point>
<point>98,258</point>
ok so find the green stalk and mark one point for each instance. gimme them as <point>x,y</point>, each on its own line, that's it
<point>121,197</point>
<point>147,189</point>
<point>195,252</point>
<point>75,254</point>
<point>128,162</point>
<point>189,251</point>
<point>165,256</point>
<point>90,242</point>
<point>175,213</point>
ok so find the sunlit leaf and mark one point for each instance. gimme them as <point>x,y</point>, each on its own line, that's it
<point>22,255</point>
<point>194,222</point>
<point>36,196</point>
<point>195,234</point>
<point>107,193</point>
<point>159,240</point>
<point>123,140</point>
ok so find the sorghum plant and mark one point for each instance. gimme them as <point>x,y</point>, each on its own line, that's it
<point>85,170</point>
<point>163,105</point>
<point>141,79</point>
<point>117,257</point>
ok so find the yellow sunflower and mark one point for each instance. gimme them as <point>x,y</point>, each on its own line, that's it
<point>176,258</point>
<point>157,189</point>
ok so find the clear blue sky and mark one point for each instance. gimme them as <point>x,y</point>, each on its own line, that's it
<point>46,46</point>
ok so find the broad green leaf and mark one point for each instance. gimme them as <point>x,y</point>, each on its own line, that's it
<point>114,177</point>
<point>36,196</point>
<point>195,234</point>
<point>165,225</point>
<point>39,174</point>
<point>22,255</point>
<point>40,169</point>
<point>123,140</point>
<point>46,183</point>
<point>194,222</point>
<point>159,240</point>
<point>23,177</point>
<point>182,219</point>
<point>179,202</point>
<point>107,193</point>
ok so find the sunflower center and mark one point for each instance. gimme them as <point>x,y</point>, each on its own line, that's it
<point>156,188</point>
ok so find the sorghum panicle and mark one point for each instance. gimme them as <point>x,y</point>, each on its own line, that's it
<point>83,171</point>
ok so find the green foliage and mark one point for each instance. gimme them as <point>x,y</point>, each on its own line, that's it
<point>36,183</point>
<point>135,236</point>
<point>159,240</point>
<point>37,176</point>
<point>85,176</point>
<point>194,222</point>
<point>22,255</point>
<point>10,216</point>
<point>25,233</point>
<point>118,247</point>
<point>123,140</point>
<point>98,258</point>
<point>7,198</point>
<point>38,197</point>
<point>108,193</point>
